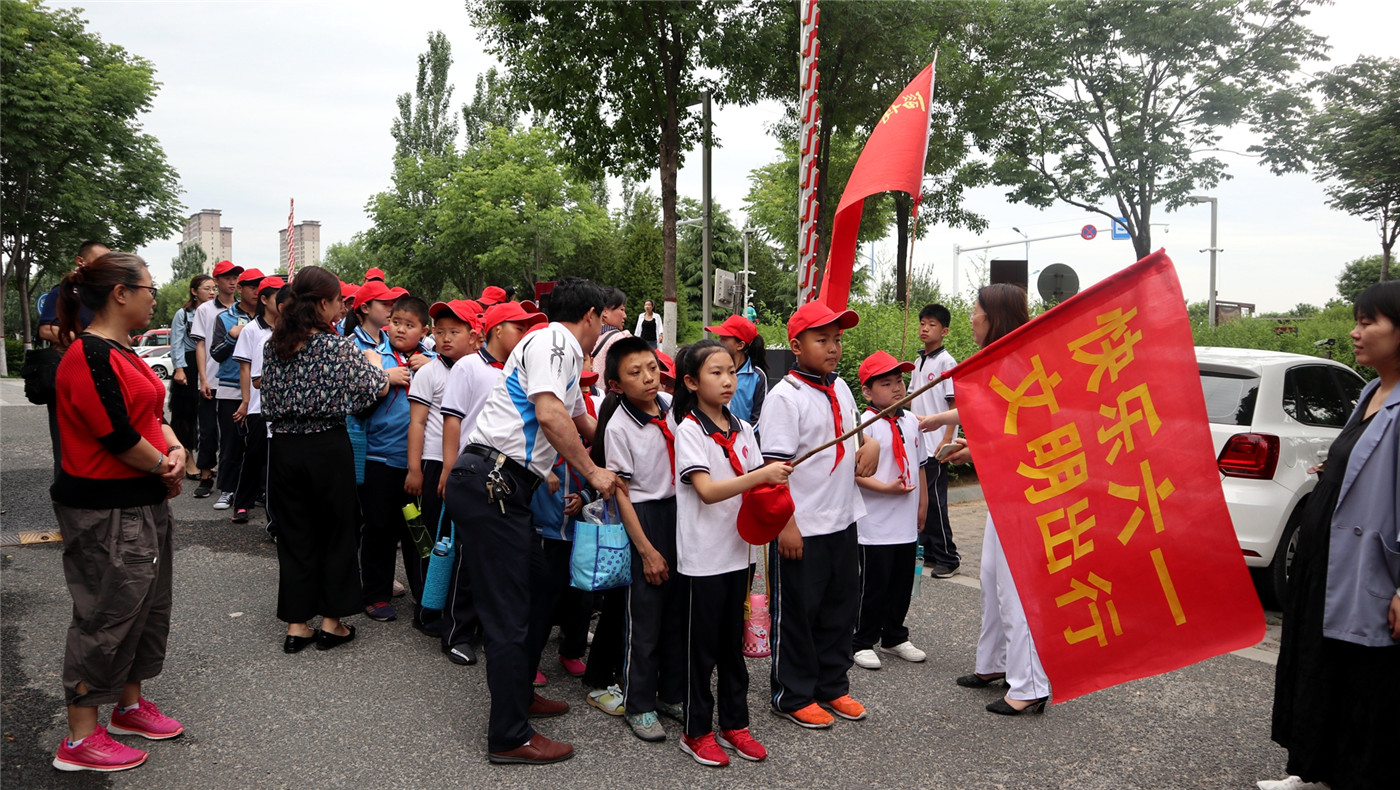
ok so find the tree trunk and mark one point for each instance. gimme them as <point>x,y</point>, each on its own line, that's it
<point>902,203</point>
<point>670,163</point>
<point>26,328</point>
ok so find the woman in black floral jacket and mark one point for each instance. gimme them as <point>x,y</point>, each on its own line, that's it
<point>312,379</point>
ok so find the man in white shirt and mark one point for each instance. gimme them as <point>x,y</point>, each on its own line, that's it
<point>202,330</point>
<point>534,414</point>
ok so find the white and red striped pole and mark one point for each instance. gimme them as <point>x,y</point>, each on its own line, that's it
<point>809,148</point>
<point>291,244</point>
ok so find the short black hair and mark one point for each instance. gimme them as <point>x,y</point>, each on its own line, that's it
<point>938,313</point>
<point>87,246</point>
<point>615,299</point>
<point>573,297</point>
<point>1380,299</point>
<point>414,306</point>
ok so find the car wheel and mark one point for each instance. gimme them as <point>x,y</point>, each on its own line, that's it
<point>160,373</point>
<point>1280,575</point>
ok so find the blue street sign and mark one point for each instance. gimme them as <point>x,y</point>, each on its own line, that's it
<point>1120,229</point>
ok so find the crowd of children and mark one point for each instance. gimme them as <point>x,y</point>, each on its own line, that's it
<point>689,442</point>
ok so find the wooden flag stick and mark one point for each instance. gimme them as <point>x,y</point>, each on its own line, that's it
<point>904,401</point>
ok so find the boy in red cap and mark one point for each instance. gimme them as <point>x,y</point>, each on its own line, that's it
<point>225,274</point>
<point>814,559</point>
<point>895,500</point>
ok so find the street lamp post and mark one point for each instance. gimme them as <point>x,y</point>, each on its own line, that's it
<point>1213,249</point>
<point>1027,237</point>
<point>746,272</point>
<point>705,197</point>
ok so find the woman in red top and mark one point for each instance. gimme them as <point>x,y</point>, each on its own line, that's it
<point>121,462</point>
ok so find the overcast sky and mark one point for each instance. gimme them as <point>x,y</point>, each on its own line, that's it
<point>266,101</point>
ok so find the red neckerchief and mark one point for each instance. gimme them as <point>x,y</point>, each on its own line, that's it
<point>587,393</point>
<point>901,457</point>
<point>660,422</point>
<point>490,360</point>
<point>830,393</point>
<point>726,442</point>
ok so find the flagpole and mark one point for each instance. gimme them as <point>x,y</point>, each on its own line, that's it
<point>904,401</point>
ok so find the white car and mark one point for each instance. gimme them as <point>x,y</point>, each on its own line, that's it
<point>1273,415</point>
<point>158,357</point>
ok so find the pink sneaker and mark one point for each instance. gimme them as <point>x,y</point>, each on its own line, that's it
<point>573,666</point>
<point>97,752</point>
<point>145,720</point>
<point>540,680</point>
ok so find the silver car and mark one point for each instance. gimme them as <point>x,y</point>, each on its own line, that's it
<point>1273,415</point>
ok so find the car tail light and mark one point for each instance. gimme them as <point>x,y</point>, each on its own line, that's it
<point>1250,455</point>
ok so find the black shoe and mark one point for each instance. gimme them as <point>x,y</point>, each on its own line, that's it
<point>296,644</point>
<point>204,489</point>
<point>325,640</point>
<point>1003,708</point>
<point>462,654</point>
<point>943,571</point>
<point>975,681</point>
<point>433,629</point>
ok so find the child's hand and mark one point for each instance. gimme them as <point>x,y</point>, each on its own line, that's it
<point>241,413</point>
<point>417,361</point>
<point>553,483</point>
<point>400,376</point>
<point>774,474</point>
<point>573,505</point>
<point>442,483</point>
<point>413,484</point>
<point>655,567</point>
<point>790,542</point>
<point>867,458</point>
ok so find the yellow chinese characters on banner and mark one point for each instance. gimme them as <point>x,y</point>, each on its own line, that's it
<point>1089,435</point>
<point>913,100</point>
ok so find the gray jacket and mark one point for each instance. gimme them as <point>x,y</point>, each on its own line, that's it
<point>1363,567</point>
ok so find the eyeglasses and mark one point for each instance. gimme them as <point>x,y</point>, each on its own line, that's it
<point>154,290</point>
<point>976,313</point>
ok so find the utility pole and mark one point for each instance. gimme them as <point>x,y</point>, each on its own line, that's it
<point>1210,303</point>
<point>705,197</point>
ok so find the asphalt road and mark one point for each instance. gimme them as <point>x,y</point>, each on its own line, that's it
<point>388,711</point>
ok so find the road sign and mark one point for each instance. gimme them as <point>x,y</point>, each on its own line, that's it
<point>1088,232</point>
<point>1120,229</point>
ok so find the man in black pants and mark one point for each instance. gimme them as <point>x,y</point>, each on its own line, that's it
<point>534,414</point>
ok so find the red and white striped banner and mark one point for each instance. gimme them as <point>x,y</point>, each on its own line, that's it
<point>810,147</point>
<point>291,243</point>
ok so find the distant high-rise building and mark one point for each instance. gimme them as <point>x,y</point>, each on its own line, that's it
<point>307,238</point>
<point>216,240</point>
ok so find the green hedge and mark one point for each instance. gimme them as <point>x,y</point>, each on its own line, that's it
<point>1297,336</point>
<point>14,355</point>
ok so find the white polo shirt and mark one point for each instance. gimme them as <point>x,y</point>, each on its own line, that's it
<point>202,328</point>
<point>893,518</point>
<point>707,536</point>
<point>468,384</point>
<point>928,367</point>
<point>797,418</point>
<point>249,348</point>
<point>429,384</point>
<point>547,360</point>
<point>636,450</point>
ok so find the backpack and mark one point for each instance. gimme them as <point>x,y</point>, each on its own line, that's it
<point>40,372</point>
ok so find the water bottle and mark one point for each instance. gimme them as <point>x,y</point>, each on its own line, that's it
<point>918,567</point>
<point>443,548</point>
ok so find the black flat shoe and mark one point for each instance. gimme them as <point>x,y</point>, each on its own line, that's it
<point>296,644</point>
<point>325,640</point>
<point>1003,708</point>
<point>976,681</point>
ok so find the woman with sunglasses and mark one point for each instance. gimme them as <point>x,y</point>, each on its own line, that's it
<point>121,462</point>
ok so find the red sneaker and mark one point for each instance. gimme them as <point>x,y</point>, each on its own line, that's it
<point>97,752</point>
<point>704,750</point>
<point>145,720</point>
<point>742,743</point>
<point>847,708</point>
<point>573,666</point>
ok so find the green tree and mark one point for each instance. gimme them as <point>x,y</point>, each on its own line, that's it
<point>1357,276</point>
<point>169,298</point>
<point>493,104</point>
<point>1122,102</point>
<point>349,260</point>
<point>1352,142</point>
<point>425,126</point>
<point>636,266</point>
<point>188,263</point>
<point>75,164</point>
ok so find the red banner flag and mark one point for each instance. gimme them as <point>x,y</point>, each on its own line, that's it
<point>892,161</point>
<point>1089,430</point>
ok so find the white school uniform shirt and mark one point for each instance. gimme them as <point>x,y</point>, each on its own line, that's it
<point>636,450</point>
<point>797,418</point>
<point>927,368</point>
<point>468,384</point>
<point>255,371</point>
<point>249,348</point>
<point>427,388</point>
<point>546,360</point>
<point>893,518</point>
<point>707,536</point>
<point>202,328</point>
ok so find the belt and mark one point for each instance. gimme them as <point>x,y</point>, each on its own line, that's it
<point>509,464</point>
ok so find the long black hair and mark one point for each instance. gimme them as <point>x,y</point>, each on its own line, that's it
<point>757,354</point>
<point>688,363</point>
<point>622,348</point>
<point>196,282</point>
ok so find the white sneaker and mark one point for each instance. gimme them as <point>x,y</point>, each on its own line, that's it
<point>906,651</point>
<point>225,501</point>
<point>867,659</point>
<point>1289,783</point>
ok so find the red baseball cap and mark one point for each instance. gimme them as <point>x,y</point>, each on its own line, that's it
<point>764,513</point>
<point>530,305</point>
<point>880,363</point>
<point>249,276</point>
<point>226,267</point>
<point>736,326</point>
<point>493,294</point>
<point>497,314</point>
<point>815,314</point>
<point>588,378</point>
<point>463,310</point>
<point>374,274</point>
<point>668,365</point>
<point>348,290</point>
<point>396,292</point>
<point>272,281</point>
<point>373,291</point>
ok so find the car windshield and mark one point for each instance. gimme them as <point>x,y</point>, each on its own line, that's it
<point>1229,397</point>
